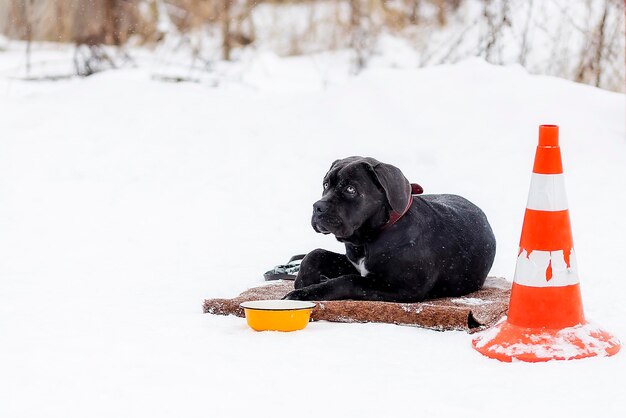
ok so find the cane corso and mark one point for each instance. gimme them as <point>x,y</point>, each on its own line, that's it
<point>400,247</point>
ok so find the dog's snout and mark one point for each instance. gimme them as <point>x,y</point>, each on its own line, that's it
<point>320,207</point>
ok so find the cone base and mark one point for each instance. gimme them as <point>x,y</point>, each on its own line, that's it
<point>508,342</point>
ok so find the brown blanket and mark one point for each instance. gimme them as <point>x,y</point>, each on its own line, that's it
<point>469,313</point>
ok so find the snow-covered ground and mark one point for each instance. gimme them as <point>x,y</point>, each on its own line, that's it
<point>125,201</point>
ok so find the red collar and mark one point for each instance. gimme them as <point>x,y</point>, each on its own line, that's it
<point>395,216</point>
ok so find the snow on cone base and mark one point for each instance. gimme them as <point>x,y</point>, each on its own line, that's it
<point>507,342</point>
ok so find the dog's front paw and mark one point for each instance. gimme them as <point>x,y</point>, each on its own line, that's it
<point>298,294</point>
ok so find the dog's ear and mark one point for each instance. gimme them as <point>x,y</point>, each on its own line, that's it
<point>339,164</point>
<point>333,165</point>
<point>348,160</point>
<point>397,188</point>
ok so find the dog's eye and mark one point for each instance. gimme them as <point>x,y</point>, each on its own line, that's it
<point>326,185</point>
<point>350,190</point>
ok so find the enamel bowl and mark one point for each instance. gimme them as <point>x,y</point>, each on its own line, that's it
<point>277,315</point>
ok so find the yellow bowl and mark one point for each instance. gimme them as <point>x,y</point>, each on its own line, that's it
<point>277,315</point>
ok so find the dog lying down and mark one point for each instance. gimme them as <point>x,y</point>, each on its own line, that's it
<point>399,247</point>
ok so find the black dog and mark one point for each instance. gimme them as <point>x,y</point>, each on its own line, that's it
<point>399,247</point>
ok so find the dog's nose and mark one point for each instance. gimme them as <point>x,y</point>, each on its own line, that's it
<point>320,207</point>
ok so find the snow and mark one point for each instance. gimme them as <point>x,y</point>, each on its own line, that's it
<point>568,343</point>
<point>471,301</point>
<point>124,202</point>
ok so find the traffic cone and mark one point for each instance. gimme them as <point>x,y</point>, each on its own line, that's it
<point>545,319</point>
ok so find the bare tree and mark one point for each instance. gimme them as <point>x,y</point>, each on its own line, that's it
<point>226,38</point>
<point>601,31</point>
<point>357,35</point>
<point>524,47</point>
<point>414,15</point>
<point>27,7</point>
<point>599,48</point>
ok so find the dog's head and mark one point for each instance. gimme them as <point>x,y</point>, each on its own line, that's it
<point>359,193</point>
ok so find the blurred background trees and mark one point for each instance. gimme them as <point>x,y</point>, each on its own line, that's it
<point>581,40</point>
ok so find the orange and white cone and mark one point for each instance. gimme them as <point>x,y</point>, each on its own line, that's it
<point>545,319</point>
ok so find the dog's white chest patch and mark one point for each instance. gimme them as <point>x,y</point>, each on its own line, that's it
<point>360,266</point>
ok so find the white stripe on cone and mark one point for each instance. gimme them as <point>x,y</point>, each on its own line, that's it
<point>531,270</point>
<point>547,192</point>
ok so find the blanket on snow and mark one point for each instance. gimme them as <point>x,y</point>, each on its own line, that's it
<point>468,313</point>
